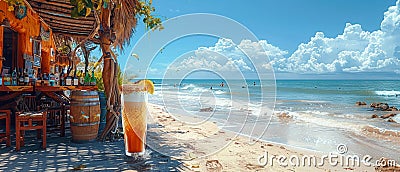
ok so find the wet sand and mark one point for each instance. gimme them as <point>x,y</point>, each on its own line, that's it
<point>204,147</point>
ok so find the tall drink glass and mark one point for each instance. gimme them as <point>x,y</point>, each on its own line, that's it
<point>134,114</point>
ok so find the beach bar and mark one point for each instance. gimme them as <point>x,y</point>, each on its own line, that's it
<point>38,69</point>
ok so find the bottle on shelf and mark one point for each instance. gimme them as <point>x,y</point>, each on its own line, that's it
<point>33,79</point>
<point>1,77</point>
<point>39,77</point>
<point>62,79</point>
<point>87,79</point>
<point>56,78</point>
<point>93,79</point>
<point>21,77</point>
<point>68,81</point>
<point>14,81</point>
<point>26,78</point>
<point>51,79</point>
<point>82,78</point>
<point>6,79</point>
<point>75,79</point>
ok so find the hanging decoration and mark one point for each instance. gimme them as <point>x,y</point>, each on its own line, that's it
<point>20,11</point>
<point>44,34</point>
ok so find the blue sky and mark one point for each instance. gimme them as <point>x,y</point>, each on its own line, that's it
<point>285,25</point>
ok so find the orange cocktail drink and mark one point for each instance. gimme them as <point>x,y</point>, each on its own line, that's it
<point>134,118</point>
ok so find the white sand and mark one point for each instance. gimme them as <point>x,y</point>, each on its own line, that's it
<point>194,146</point>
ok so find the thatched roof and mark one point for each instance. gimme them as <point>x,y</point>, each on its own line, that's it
<point>57,13</point>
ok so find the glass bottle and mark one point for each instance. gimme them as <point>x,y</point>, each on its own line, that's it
<point>33,80</point>
<point>87,78</point>
<point>39,77</point>
<point>26,78</point>
<point>7,79</point>
<point>75,79</point>
<point>82,78</point>
<point>21,77</point>
<point>93,79</point>
<point>1,77</point>
<point>56,77</point>
<point>14,78</point>
<point>68,81</point>
<point>62,79</point>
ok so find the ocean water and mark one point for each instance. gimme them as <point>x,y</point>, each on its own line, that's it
<point>322,113</point>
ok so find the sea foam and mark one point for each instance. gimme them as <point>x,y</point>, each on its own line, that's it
<point>387,93</point>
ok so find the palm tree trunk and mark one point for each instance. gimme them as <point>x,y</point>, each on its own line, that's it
<point>110,80</point>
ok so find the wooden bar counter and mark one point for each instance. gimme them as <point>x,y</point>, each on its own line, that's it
<point>9,93</point>
<point>44,88</point>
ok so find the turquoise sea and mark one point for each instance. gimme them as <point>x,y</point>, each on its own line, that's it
<point>322,113</point>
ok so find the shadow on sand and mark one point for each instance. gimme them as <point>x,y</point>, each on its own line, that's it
<point>63,155</point>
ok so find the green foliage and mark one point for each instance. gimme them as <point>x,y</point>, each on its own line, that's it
<point>81,8</point>
<point>146,11</point>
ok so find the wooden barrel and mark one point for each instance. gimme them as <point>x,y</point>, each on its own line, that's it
<point>84,115</point>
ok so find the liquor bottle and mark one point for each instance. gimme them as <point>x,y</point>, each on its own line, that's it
<point>45,79</point>
<point>87,79</point>
<point>1,77</point>
<point>39,77</point>
<point>68,81</point>
<point>14,77</point>
<point>51,79</point>
<point>75,79</point>
<point>56,78</point>
<point>82,78</point>
<point>26,78</point>
<point>21,77</point>
<point>93,79</point>
<point>62,79</point>
<point>6,79</point>
<point>33,80</point>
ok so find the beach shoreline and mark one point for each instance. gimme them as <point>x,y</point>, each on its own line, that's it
<point>236,153</point>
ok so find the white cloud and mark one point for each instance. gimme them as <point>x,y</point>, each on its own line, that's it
<point>355,50</point>
<point>226,56</point>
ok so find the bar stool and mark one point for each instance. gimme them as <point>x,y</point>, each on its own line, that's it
<point>5,115</point>
<point>30,121</point>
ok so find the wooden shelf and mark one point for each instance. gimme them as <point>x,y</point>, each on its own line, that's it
<point>46,88</point>
<point>64,88</point>
<point>16,88</point>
